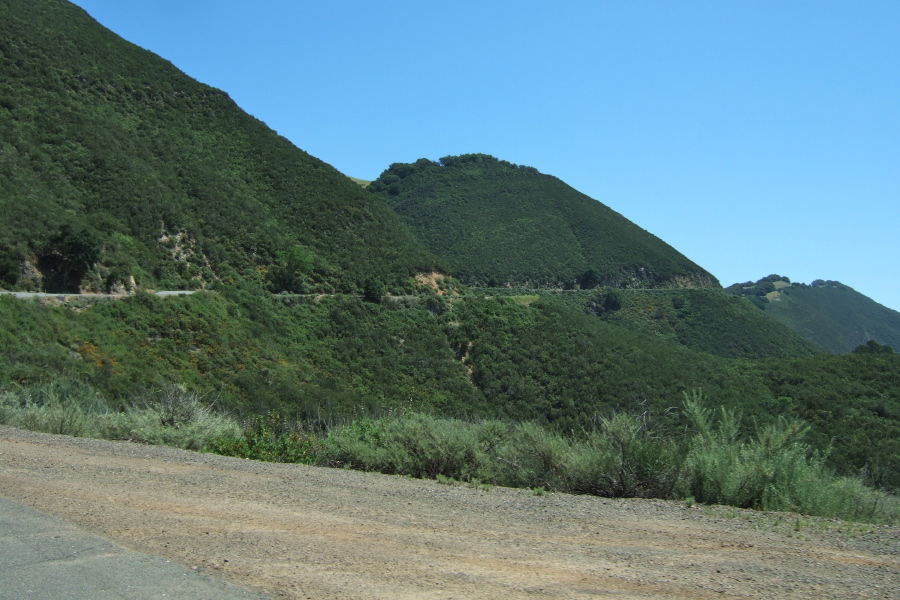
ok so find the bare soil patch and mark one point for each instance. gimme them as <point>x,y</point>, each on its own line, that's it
<point>294,531</point>
<point>431,279</point>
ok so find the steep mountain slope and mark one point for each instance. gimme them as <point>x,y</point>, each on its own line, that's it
<point>499,224</point>
<point>833,315</point>
<point>110,155</point>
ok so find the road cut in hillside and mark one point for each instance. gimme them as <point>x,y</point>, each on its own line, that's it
<point>292,531</point>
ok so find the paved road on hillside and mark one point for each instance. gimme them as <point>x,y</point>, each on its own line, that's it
<point>90,296</point>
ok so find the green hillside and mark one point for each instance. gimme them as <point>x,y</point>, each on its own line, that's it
<point>116,166</point>
<point>499,224</point>
<point>336,358</point>
<point>833,315</point>
<point>111,156</point>
<point>700,319</point>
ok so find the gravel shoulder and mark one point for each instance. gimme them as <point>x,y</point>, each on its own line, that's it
<point>292,531</point>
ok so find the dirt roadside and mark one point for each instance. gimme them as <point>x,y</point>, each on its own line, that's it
<point>293,531</point>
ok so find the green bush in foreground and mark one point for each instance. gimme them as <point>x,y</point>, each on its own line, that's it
<point>271,438</point>
<point>66,407</point>
<point>69,407</point>
<point>420,446</point>
<point>772,470</point>
<point>623,457</point>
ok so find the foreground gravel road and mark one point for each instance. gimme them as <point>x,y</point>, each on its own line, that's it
<point>292,531</point>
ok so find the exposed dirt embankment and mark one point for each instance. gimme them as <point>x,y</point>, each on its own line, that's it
<point>303,532</point>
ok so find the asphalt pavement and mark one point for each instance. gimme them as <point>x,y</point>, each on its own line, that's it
<point>45,558</point>
<point>66,296</point>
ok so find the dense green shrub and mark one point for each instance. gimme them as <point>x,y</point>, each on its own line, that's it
<point>272,438</point>
<point>724,467</point>
<point>622,458</point>
<point>773,469</point>
<point>71,407</point>
<point>419,445</point>
<point>523,358</point>
<point>64,406</point>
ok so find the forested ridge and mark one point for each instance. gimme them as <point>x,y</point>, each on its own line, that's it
<point>831,314</point>
<point>500,224</point>
<point>114,164</point>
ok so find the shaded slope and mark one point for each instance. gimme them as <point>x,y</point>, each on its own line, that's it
<point>499,224</point>
<point>106,144</point>
<point>833,315</point>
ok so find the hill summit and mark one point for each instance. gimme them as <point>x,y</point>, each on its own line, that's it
<point>500,224</point>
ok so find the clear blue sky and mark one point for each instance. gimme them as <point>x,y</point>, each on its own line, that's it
<point>755,137</point>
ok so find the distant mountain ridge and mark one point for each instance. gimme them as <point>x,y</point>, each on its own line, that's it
<point>500,224</point>
<point>833,315</point>
<point>709,321</point>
